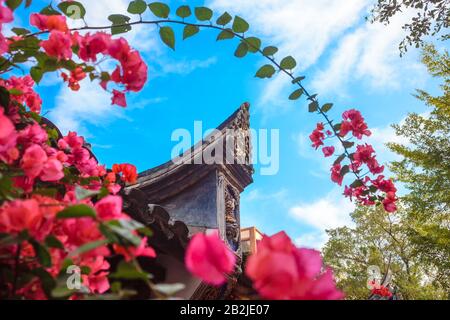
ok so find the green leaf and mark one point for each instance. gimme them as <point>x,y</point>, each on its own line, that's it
<point>76,211</point>
<point>203,13</point>
<point>167,36</point>
<point>357,183</point>
<point>137,7</point>
<point>344,170</point>
<point>339,159</point>
<point>41,253</point>
<point>15,92</point>
<point>253,44</point>
<point>50,11</point>
<point>241,50</point>
<point>169,289</point>
<point>337,127</point>
<point>348,144</point>
<point>265,71</point>
<point>81,193</point>
<point>224,19</point>
<point>52,242</point>
<point>184,12</point>
<point>5,97</point>
<point>298,79</point>
<point>327,107</point>
<point>296,94</point>
<point>73,9</point>
<point>128,271</point>
<point>88,247</point>
<point>119,22</point>
<point>288,63</point>
<point>159,9</point>
<point>20,31</point>
<point>240,25</point>
<point>189,31</point>
<point>270,50</point>
<point>313,106</point>
<point>13,4</point>
<point>225,34</point>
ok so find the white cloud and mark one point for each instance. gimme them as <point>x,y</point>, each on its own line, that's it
<point>349,48</point>
<point>313,240</point>
<point>90,105</point>
<point>331,211</point>
<point>186,66</point>
<point>370,53</point>
<point>258,195</point>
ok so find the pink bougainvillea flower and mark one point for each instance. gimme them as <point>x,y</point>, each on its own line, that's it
<point>279,270</point>
<point>143,250</point>
<point>119,98</point>
<point>97,280</point>
<point>19,215</point>
<point>32,134</point>
<point>128,172</point>
<point>336,174</point>
<point>389,202</point>
<point>58,45</point>
<point>8,139</point>
<point>93,44</point>
<point>6,15</point>
<point>33,161</point>
<point>208,258</point>
<point>52,22</point>
<point>354,122</point>
<point>317,136</point>
<point>110,207</point>
<point>328,151</point>
<point>52,170</point>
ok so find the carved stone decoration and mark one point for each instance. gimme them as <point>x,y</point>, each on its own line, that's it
<point>231,217</point>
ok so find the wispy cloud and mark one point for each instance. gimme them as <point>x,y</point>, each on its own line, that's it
<point>331,211</point>
<point>348,47</point>
<point>90,105</point>
<point>186,67</point>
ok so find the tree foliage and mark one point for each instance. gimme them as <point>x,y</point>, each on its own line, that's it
<point>432,16</point>
<point>416,239</point>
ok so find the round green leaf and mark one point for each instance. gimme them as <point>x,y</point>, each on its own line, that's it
<point>119,22</point>
<point>73,9</point>
<point>167,36</point>
<point>288,63</point>
<point>327,107</point>
<point>240,25</point>
<point>224,19</point>
<point>253,44</point>
<point>225,34</point>
<point>265,71</point>
<point>159,9</point>
<point>270,50</point>
<point>137,7</point>
<point>296,94</point>
<point>189,31</point>
<point>298,79</point>
<point>76,211</point>
<point>313,106</point>
<point>13,4</point>
<point>241,50</point>
<point>203,13</point>
<point>183,12</point>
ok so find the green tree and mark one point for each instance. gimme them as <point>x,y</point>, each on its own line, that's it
<point>432,17</point>
<point>413,243</point>
<point>425,170</point>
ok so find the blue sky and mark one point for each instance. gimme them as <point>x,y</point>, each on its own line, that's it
<point>346,60</point>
